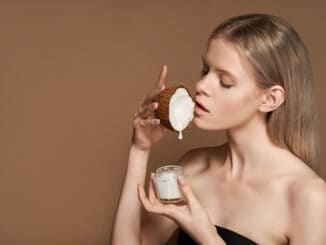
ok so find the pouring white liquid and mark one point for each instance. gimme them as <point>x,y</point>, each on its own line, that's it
<point>180,135</point>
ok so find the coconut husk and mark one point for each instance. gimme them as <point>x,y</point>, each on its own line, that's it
<point>163,100</point>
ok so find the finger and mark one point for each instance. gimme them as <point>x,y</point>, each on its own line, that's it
<point>164,129</point>
<point>143,199</point>
<point>152,96</point>
<point>187,193</point>
<point>147,110</point>
<point>142,195</point>
<point>167,210</point>
<point>136,115</point>
<point>151,192</point>
<point>149,122</point>
<point>147,204</point>
<point>160,85</point>
<point>161,81</point>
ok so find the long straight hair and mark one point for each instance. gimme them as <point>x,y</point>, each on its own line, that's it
<point>277,55</point>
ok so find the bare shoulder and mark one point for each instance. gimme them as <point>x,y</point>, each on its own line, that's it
<point>307,190</point>
<point>306,183</point>
<point>197,160</point>
<point>307,210</point>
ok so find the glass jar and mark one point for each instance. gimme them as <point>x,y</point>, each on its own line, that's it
<point>166,185</point>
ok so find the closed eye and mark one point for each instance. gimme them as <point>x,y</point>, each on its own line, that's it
<point>224,85</point>
<point>205,70</point>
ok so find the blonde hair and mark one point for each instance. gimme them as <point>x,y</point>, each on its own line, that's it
<point>277,55</point>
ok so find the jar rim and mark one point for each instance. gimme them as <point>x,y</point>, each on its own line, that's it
<point>169,167</point>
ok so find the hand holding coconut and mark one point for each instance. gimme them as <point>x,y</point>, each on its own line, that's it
<point>147,128</point>
<point>173,107</point>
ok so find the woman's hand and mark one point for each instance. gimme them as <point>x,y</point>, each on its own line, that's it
<point>190,215</point>
<point>147,128</point>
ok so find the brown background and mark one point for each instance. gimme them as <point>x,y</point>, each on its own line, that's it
<point>72,73</point>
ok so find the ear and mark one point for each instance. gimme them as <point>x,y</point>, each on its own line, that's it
<point>272,98</point>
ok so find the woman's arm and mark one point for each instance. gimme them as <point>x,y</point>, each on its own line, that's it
<point>147,130</point>
<point>128,226</point>
<point>127,222</point>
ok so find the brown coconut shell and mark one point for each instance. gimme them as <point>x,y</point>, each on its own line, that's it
<point>163,100</point>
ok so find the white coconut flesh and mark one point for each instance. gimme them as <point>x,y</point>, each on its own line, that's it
<point>181,110</point>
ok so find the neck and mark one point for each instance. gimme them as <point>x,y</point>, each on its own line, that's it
<point>250,149</point>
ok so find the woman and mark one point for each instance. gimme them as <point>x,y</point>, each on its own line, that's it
<point>259,187</point>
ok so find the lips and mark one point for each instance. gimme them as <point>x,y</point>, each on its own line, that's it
<point>201,106</point>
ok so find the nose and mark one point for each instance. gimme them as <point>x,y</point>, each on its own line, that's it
<point>202,86</point>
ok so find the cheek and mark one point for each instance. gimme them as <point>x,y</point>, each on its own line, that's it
<point>238,108</point>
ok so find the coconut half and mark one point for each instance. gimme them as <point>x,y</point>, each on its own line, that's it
<point>175,108</point>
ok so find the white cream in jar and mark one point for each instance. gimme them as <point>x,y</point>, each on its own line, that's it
<point>166,184</point>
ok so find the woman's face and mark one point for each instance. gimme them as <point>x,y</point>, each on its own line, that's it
<point>227,89</point>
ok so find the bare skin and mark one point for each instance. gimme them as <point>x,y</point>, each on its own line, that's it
<point>248,184</point>
<point>257,205</point>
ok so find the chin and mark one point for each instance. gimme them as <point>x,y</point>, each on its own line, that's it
<point>201,124</point>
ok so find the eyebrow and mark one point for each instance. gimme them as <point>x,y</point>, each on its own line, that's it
<point>234,77</point>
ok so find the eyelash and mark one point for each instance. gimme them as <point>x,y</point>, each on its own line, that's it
<point>204,72</point>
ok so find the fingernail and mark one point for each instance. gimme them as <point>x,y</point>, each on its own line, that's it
<point>181,180</point>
